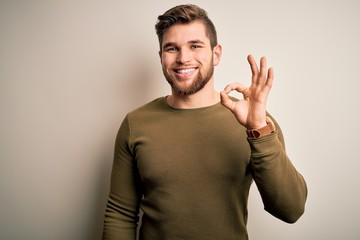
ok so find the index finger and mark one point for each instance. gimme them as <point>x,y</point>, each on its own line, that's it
<point>225,100</point>
<point>235,87</point>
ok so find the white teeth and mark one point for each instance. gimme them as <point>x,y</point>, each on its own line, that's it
<point>183,71</point>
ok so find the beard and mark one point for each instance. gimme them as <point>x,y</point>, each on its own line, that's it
<point>201,79</point>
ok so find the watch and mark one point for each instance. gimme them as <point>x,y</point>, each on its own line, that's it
<point>256,133</point>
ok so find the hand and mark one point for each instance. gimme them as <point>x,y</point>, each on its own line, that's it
<point>251,110</point>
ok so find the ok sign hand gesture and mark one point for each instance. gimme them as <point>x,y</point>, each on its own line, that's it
<point>251,110</point>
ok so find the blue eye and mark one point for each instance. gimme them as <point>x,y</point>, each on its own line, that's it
<point>171,49</point>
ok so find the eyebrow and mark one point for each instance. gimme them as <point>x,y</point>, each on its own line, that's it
<point>198,41</point>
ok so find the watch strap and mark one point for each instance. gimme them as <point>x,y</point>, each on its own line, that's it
<point>268,129</point>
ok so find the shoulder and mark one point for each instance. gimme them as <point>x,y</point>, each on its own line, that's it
<point>141,116</point>
<point>149,112</point>
<point>152,106</point>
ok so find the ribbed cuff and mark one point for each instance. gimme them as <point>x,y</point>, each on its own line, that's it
<point>264,146</point>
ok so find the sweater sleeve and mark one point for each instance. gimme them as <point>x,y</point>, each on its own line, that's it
<point>122,209</point>
<point>282,188</point>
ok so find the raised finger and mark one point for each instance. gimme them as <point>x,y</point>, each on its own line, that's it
<point>263,68</point>
<point>270,77</point>
<point>253,65</point>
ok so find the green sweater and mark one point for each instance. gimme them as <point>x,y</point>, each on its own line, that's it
<point>190,171</point>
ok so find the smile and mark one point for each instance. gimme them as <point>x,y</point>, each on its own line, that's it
<point>185,71</point>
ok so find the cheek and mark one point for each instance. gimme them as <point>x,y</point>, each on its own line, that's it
<point>208,62</point>
<point>166,61</point>
<point>207,58</point>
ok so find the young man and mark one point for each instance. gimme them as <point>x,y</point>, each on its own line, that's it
<point>188,159</point>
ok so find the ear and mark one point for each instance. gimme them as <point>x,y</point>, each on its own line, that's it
<point>217,51</point>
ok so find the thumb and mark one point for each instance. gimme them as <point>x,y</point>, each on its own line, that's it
<point>226,101</point>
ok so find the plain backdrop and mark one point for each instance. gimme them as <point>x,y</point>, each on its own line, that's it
<point>71,70</point>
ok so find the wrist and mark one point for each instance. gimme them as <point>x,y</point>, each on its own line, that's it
<point>257,125</point>
<point>268,128</point>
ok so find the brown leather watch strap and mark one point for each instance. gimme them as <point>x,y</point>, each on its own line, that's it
<point>256,133</point>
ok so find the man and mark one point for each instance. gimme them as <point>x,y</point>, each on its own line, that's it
<point>188,159</point>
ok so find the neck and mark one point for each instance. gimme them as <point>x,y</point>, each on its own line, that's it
<point>203,98</point>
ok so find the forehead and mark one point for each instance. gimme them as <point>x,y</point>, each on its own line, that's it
<point>184,33</point>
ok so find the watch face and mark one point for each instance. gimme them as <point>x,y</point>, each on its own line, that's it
<point>256,133</point>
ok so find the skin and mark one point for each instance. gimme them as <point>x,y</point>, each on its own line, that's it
<point>186,46</point>
<point>187,58</point>
<point>251,110</point>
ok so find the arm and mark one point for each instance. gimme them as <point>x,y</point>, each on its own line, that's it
<point>121,215</point>
<point>282,188</point>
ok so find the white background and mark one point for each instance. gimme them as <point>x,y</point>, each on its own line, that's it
<point>71,70</point>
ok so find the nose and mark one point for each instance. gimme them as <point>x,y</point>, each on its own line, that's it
<point>183,56</point>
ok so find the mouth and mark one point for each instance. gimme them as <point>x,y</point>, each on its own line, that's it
<point>185,72</point>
